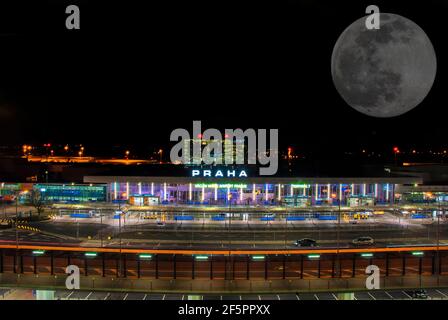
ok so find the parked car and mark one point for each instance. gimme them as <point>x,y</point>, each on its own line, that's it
<point>419,294</point>
<point>363,241</point>
<point>160,223</point>
<point>305,242</point>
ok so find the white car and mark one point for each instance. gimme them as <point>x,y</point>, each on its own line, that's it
<point>363,241</point>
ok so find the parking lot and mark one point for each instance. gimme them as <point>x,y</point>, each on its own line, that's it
<point>433,294</point>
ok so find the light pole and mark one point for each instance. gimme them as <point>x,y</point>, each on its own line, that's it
<point>17,219</point>
<point>338,231</point>
<point>230,218</point>
<point>101,227</point>
<point>438,240</point>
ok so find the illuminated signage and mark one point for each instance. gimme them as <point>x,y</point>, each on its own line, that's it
<point>219,173</point>
<point>300,185</point>
<point>220,186</point>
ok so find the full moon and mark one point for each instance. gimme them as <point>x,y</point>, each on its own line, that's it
<point>383,72</point>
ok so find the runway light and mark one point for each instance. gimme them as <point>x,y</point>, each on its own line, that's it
<point>38,252</point>
<point>367,255</point>
<point>314,256</point>
<point>418,253</point>
<point>201,257</point>
<point>257,258</point>
<point>90,254</point>
<point>145,256</point>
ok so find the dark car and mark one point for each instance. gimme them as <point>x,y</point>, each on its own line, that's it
<point>305,242</point>
<point>419,294</point>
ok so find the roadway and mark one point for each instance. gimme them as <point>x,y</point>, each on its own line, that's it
<point>388,229</point>
<point>221,234</point>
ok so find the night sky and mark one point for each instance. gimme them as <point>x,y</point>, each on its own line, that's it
<point>135,72</point>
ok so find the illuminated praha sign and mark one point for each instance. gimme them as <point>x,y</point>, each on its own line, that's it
<point>219,173</point>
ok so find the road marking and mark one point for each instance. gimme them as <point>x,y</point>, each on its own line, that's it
<point>336,298</point>
<point>107,296</point>
<point>371,295</point>
<point>163,298</point>
<point>87,298</point>
<point>441,293</point>
<point>278,297</point>
<point>389,295</point>
<point>68,297</point>
<point>297,296</point>
<point>315,296</point>
<point>407,295</point>
<point>144,298</point>
<point>124,298</point>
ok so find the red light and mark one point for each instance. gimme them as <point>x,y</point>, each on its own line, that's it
<point>396,150</point>
<point>200,136</point>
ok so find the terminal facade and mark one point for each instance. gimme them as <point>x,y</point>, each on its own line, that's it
<point>235,191</point>
<point>255,191</point>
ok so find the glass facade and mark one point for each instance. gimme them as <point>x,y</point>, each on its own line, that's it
<point>249,194</point>
<point>72,193</point>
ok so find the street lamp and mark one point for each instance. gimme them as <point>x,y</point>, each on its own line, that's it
<point>160,152</point>
<point>396,151</point>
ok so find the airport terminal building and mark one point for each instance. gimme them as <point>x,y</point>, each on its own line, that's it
<point>232,187</point>
<point>238,188</point>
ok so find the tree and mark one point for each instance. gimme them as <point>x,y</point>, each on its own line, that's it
<point>37,201</point>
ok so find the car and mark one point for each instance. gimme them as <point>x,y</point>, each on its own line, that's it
<point>361,215</point>
<point>363,241</point>
<point>305,242</point>
<point>160,223</point>
<point>419,294</point>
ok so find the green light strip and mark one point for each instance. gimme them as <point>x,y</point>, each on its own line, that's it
<point>366,255</point>
<point>145,256</point>
<point>314,256</point>
<point>38,252</point>
<point>418,253</point>
<point>201,257</point>
<point>90,254</point>
<point>258,257</point>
